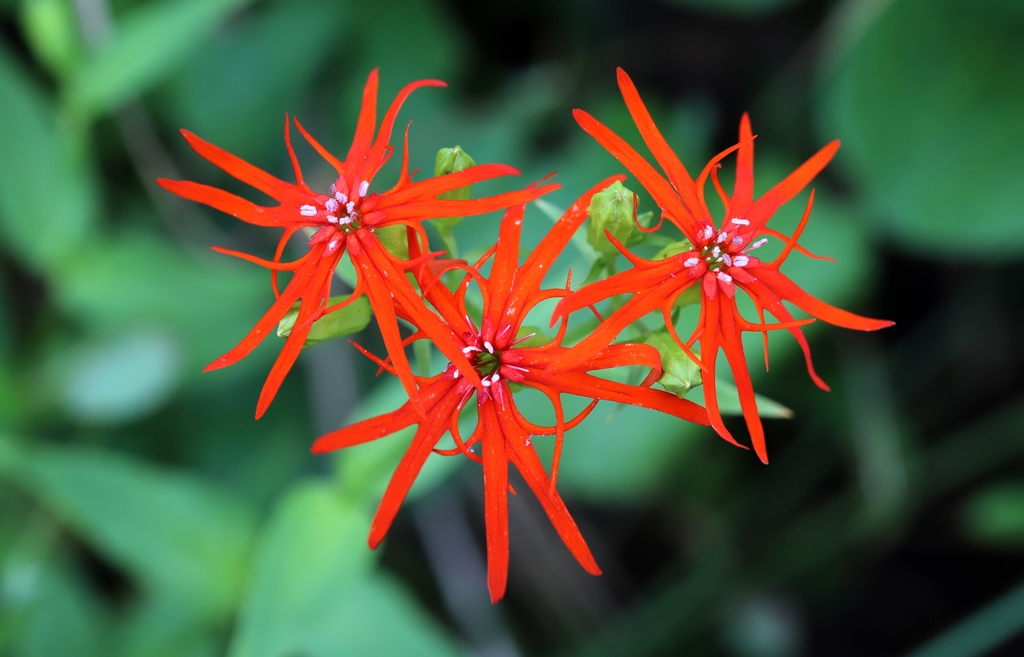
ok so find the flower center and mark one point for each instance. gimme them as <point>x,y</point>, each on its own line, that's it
<point>341,209</point>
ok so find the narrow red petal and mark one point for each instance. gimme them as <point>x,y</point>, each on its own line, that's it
<point>230,204</point>
<point>364,127</point>
<point>732,345</point>
<point>743,190</point>
<point>786,289</point>
<point>763,208</point>
<point>273,187</point>
<point>495,501</point>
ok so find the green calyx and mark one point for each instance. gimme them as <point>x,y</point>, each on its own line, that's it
<point>346,321</point>
<point>674,249</point>
<point>679,374</point>
<point>452,160</point>
<point>395,239</point>
<point>610,210</point>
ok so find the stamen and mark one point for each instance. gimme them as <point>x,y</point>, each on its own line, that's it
<point>716,252</point>
<point>727,260</point>
<point>331,205</point>
<point>350,207</point>
<point>344,221</point>
<point>341,198</point>
<point>722,237</point>
<point>364,187</point>
<point>457,374</point>
<point>332,244</point>
<point>758,244</point>
<point>332,219</point>
<point>307,211</point>
<point>469,350</point>
<point>332,189</point>
<point>486,382</point>
<point>725,278</point>
<point>525,337</point>
<point>489,347</point>
<point>495,377</point>
<point>708,232</point>
<point>691,262</point>
<point>516,367</point>
<point>740,261</point>
<point>741,222</point>
<point>737,240</point>
<point>527,441</point>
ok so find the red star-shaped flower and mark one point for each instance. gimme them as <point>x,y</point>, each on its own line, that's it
<point>509,293</point>
<point>720,261</point>
<point>346,218</point>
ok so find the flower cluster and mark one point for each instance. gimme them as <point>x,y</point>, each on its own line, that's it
<point>482,335</point>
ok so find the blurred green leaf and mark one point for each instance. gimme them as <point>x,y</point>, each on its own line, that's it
<point>312,551</point>
<point>313,590</point>
<point>139,279</point>
<point>178,535</point>
<point>146,46</point>
<point>47,199</point>
<point>51,29</point>
<point>995,515</point>
<point>236,89</point>
<point>65,618</point>
<point>928,107</point>
<point>729,403</point>
<point>121,379</point>
<point>161,627</point>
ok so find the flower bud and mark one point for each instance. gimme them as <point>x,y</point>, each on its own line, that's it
<point>451,160</point>
<point>610,210</point>
<point>350,319</point>
<point>679,374</point>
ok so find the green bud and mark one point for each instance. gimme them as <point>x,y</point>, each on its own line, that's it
<point>350,319</point>
<point>610,210</point>
<point>395,239</point>
<point>451,160</point>
<point>51,29</point>
<point>679,374</point>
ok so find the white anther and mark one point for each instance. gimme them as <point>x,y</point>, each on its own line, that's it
<point>469,350</point>
<point>737,240</point>
<point>722,237</point>
<point>486,382</point>
<point>332,244</point>
<point>331,205</point>
<point>344,221</point>
<point>332,219</point>
<point>725,278</point>
<point>727,260</point>
<point>495,377</point>
<point>340,198</point>
<point>457,374</point>
<point>364,187</point>
<point>758,244</point>
<point>350,207</point>
<point>741,222</point>
<point>489,347</point>
<point>740,261</point>
<point>708,232</point>
<point>307,211</point>
<point>715,252</point>
<point>332,189</point>
<point>691,262</point>
<point>527,441</point>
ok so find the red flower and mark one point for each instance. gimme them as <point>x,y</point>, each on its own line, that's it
<point>509,293</point>
<point>346,218</point>
<point>720,261</point>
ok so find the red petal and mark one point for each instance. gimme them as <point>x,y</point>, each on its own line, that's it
<point>763,209</point>
<point>376,154</point>
<point>284,193</point>
<point>228,203</point>
<point>506,263</point>
<point>732,345</point>
<point>662,152</point>
<point>664,194</point>
<point>432,209</point>
<point>709,345</point>
<point>495,501</point>
<point>364,128</point>
<point>786,289</point>
<point>743,190</point>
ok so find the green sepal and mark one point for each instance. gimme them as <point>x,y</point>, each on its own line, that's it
<point>395,239</point>
<point>451,160</point>
<point>679,374</point>
<point>351,319</point>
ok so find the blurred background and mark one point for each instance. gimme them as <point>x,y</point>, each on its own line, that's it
<point>145,513</point>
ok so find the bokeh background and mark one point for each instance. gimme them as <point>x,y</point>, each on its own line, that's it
<point>145,513</point>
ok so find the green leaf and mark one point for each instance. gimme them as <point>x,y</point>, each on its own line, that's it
<point>737,7</point>
<point>65,618</point>
<point>161,627</point>
<point>314,592</point>
<point>147,45</point>
<point>928,107</point>
<point>994,516</point>
<point>177,534</point>
<point>346,321</point>
<point>121,379</point>
<point>47,198</point>
<point>729,403</point>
